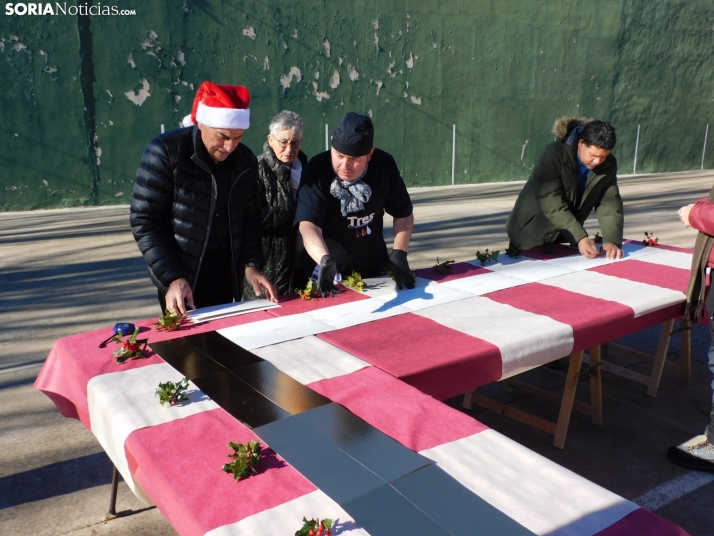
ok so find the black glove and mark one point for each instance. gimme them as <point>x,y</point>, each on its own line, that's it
<point>400,269</point>
<point>326,277</point>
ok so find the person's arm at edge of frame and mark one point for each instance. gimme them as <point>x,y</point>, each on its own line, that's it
<point>313,240</point>
<point>403,228</point>
<point>699,215</point>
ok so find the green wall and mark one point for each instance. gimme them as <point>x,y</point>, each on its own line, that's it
<point>502,71</point>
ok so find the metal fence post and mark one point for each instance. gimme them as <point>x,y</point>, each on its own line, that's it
<point>637,145</point>
<point>704,149</point>
<point>453,155</point>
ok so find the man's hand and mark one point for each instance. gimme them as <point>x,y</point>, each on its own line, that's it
<point>326,277</point>
<point>178,295</point>
<point>684,214</point>
<point>612,251</point>
<point>400,269</point>
<point>259,282</point>
<point>586,246</point>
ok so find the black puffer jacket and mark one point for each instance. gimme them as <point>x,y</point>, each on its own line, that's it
<point>174,202</point>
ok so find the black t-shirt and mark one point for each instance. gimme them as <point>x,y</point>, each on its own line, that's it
<point>359,233</point>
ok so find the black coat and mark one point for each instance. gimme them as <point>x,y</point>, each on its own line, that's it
<point>174,202</point>
<point>277,211</point>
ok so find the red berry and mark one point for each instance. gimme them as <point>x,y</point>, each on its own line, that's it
<point>311,532</point>
<point>328,533</point>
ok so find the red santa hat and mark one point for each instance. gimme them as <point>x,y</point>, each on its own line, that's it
<point>220,106</point>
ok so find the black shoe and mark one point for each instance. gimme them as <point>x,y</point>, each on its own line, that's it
<point>696,454</point>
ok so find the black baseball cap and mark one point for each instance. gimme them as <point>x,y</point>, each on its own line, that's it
<point>354,135</point>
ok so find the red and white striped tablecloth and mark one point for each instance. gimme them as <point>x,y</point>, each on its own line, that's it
<point>387,357</point>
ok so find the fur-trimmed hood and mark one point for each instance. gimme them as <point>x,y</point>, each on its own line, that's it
<point>565,125</point>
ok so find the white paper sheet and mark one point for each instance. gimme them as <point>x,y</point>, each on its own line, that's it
<point>530,270</point>
<point>481,284</point>
<point>215,312</point>
<point>354,313</point>
<point>274,330</point>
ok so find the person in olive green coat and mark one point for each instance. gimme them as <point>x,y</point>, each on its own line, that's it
<point>573,175</point>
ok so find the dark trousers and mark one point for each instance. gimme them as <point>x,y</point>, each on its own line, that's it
<point>214,285</point>
<point>710,308</point>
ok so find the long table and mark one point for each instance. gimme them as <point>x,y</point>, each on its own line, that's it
<point>386,357</point>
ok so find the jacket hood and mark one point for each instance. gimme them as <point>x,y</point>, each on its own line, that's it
<point>565,125</point>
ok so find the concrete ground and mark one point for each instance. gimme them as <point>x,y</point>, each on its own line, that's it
<point>74,270</point>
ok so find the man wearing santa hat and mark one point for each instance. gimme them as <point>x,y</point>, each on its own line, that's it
<point>194,213</point>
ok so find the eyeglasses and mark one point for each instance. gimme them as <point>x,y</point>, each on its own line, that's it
<point>284,143</point>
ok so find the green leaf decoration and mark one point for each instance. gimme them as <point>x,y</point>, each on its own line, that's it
<point>172,393</point>
<point>169,321</point>
<point>243,460</point>
<point>309,292</point>
<point>487,256</point>
<point>354,281</point>
<point>129,349</point>
<point>442,267</point>
<point>315,527</point>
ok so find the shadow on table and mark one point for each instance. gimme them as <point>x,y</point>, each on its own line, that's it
<point>405,296</point>
<point>56,479</point>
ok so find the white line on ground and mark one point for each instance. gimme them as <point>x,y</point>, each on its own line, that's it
<point>674,489</point>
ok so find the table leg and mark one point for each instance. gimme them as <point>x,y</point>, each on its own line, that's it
<point>596,384</point>
<point>686,360</point>
<point>566,408</point>
<point>468,400</point>
<point>660,358</point>
<point>112,513</point>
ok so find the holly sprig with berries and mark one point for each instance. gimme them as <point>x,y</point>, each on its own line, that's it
<point>169,321</point>
<point>130,348</point>
<point>597,238</point>
<point>514,251</point>
<point>354,281</point>
<point>487,256</point>
<point>315,527</point>
<point>244,458</point>
<point>309,292</point>
<point>650,240</point>
<point>442,267</point>
<point>172,393</point>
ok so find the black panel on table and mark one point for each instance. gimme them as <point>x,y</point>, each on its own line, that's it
<point>375,450</point>
<point>384,512</point>
<point>320,461</point>
<point>286,392</point>
<point>185,358</point>
<point>240,400</point>
<point>221,350</point>
<point>454,507</point>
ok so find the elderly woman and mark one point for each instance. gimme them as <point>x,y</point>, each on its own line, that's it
<point>279,168</point>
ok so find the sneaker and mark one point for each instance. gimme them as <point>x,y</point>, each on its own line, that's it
<point>696,454</point>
